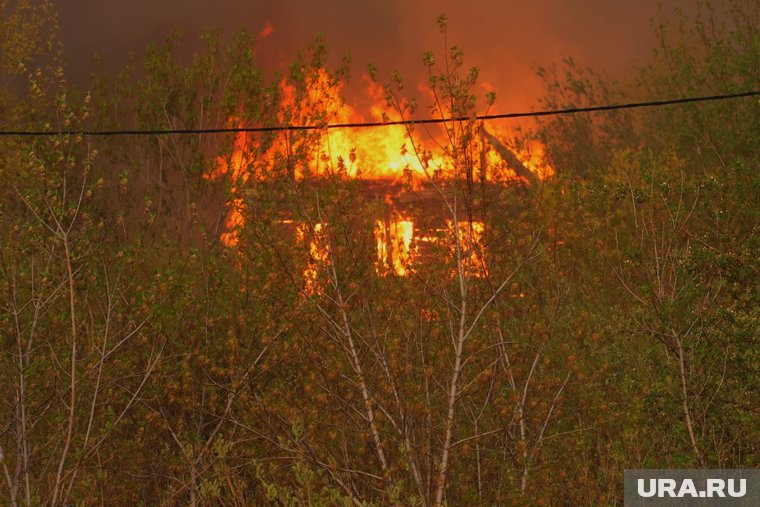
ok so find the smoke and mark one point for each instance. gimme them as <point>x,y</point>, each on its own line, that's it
<point>505,39</point>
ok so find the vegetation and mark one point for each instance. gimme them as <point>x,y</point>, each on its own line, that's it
<point>604,318</point>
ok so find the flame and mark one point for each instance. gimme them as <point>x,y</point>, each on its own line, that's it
<point>383,152</point>
<point>534,158</point>
<point>319,254</point>
<point>237,167</point>
<point>398,235</point>
<point>471,247</point>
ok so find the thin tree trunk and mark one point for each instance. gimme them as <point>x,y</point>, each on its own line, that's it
<point>72,373</point>
<point>685,403</point>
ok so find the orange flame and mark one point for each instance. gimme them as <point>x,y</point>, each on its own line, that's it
<point>319,254</point>
<point>471,248</point>
<point>394,246</point>
<point>384,152</point>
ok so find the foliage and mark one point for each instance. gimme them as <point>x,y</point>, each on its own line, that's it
<point>153,351</point>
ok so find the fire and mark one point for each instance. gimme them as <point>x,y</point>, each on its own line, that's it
<point>471,246</point>
<point>394,246</point>
<point>378,153</point>
<point>470,239</point>
<point>319,254</point>
<point>534,159</point>
<point>372,153</point>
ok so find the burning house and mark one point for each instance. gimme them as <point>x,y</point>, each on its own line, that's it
<point>410,182</point>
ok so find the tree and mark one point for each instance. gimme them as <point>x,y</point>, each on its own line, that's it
<point>654,203</point>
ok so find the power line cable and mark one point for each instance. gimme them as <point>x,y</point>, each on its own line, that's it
<point>290,128</point>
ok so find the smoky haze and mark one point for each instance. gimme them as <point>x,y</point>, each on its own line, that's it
<point>505,39</point>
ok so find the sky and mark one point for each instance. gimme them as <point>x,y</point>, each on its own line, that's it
<point>506,39</point>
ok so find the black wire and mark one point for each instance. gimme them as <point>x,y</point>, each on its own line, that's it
<point>554,112</point>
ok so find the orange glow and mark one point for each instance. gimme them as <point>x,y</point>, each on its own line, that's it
<point>534,158</point>
<point>381,241</point>
<point>319,254</point>
<point>383,152</point>
<point>267,30</point>
<point>238,167</point>
<point>377,153</point>
<point>233,221</point>
<point>373,153</point>
<point>400,239</point>
<point>471,246</point>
